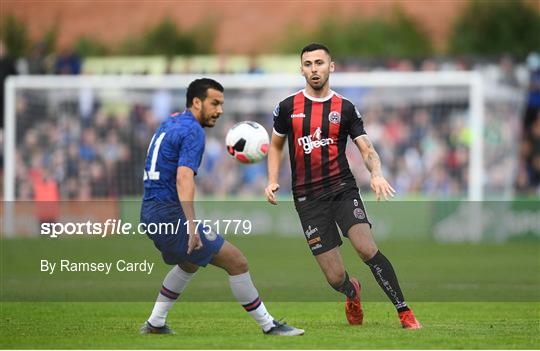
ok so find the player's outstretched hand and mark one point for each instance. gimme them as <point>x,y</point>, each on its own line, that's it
<point>381,187</point>
<point>194,243</point>
<point>270,193</point>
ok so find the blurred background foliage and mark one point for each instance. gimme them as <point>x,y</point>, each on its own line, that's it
<point>14,34</point>
<point>490,28</point>
<point>484,28</point>
<point>397,36</point>
<point>165,38</point>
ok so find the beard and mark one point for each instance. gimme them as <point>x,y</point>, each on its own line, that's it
<point>207,120</point>
<point>318,85</point>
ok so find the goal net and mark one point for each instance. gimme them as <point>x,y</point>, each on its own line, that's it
<point>440,135</point>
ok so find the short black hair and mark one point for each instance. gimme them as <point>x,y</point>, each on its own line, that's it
<point>199,88</point>
<point>313,47</point>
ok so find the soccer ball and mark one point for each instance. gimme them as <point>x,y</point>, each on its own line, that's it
<point>247,142</point>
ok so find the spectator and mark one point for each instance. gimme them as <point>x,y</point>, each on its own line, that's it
<point>533,161</point>
<point>87,149</point>
<point>254,67</point>
<point>533,96</point>
<point>37,62</point>
<point>67,62</point>
<point>507,74</point>
<point>162,101</point>
<point>98,181</point>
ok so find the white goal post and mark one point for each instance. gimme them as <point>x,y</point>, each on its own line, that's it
<point>470,83</point>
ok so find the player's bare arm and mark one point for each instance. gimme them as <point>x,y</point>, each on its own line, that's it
<point>274,160</point>
<point>185,186</point>
<point>379,184</point>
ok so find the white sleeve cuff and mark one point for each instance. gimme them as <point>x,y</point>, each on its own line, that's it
<point>278,134</point>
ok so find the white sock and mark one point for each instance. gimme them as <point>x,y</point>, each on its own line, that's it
<point>174,283</point>
<point>245,292</point>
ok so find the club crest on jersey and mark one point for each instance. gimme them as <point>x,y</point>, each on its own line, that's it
<point>334,117</point>
<point>358,213</point>
<point>313,141</point>
<point>211,235</point>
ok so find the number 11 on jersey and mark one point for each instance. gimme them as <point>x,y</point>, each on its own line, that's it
<point>152,174</point>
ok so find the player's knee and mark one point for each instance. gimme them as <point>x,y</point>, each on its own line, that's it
<point>367,253</point>
<point>335,279</point>
<point>241,264</point>
<point>363,243</point>
<point>238,265</point>
<point>188,267</point>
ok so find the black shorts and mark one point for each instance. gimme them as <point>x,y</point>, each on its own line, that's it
<point>321,217</point>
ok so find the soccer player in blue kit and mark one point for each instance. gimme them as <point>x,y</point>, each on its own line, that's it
<point>174,155</point>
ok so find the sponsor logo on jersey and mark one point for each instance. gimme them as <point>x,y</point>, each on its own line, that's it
<point>276,111</point>
<point>334,117</point>
<point>313,141</point>
<point>298,115</point>
<point>311,231</point>
<point>314,241</point>
<point>313,248</point>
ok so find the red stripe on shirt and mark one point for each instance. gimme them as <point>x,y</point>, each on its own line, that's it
<point>333,133</point>
<point>316,153</point>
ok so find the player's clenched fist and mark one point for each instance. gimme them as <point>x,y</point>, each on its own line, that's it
<point>270,193</point>
<point>194,242</point>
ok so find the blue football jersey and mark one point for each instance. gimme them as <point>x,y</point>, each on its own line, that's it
<point>179,141</point>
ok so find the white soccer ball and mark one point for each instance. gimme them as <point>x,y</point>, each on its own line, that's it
<point>247,142</point>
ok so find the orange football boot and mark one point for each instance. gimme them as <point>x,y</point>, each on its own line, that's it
<point>408,320</point>
<point>353,307</point>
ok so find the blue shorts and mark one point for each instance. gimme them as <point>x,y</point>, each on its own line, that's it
<point>172,239</point>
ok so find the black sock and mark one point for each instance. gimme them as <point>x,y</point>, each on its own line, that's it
<point>386,277</point>
<point>346,288</point>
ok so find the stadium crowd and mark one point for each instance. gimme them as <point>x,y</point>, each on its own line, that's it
<point>65,152</point>
<point>83,146</point>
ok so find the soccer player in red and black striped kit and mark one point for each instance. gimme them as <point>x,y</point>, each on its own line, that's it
<point>317,122</point>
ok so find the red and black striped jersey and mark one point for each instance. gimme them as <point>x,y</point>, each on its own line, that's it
<point>317,131</point>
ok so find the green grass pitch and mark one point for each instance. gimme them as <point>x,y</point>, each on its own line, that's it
<point>224,325</point>
<point>466,296</point>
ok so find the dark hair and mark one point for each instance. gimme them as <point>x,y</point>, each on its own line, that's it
<point>198,89</point>
<point>313,47</point>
